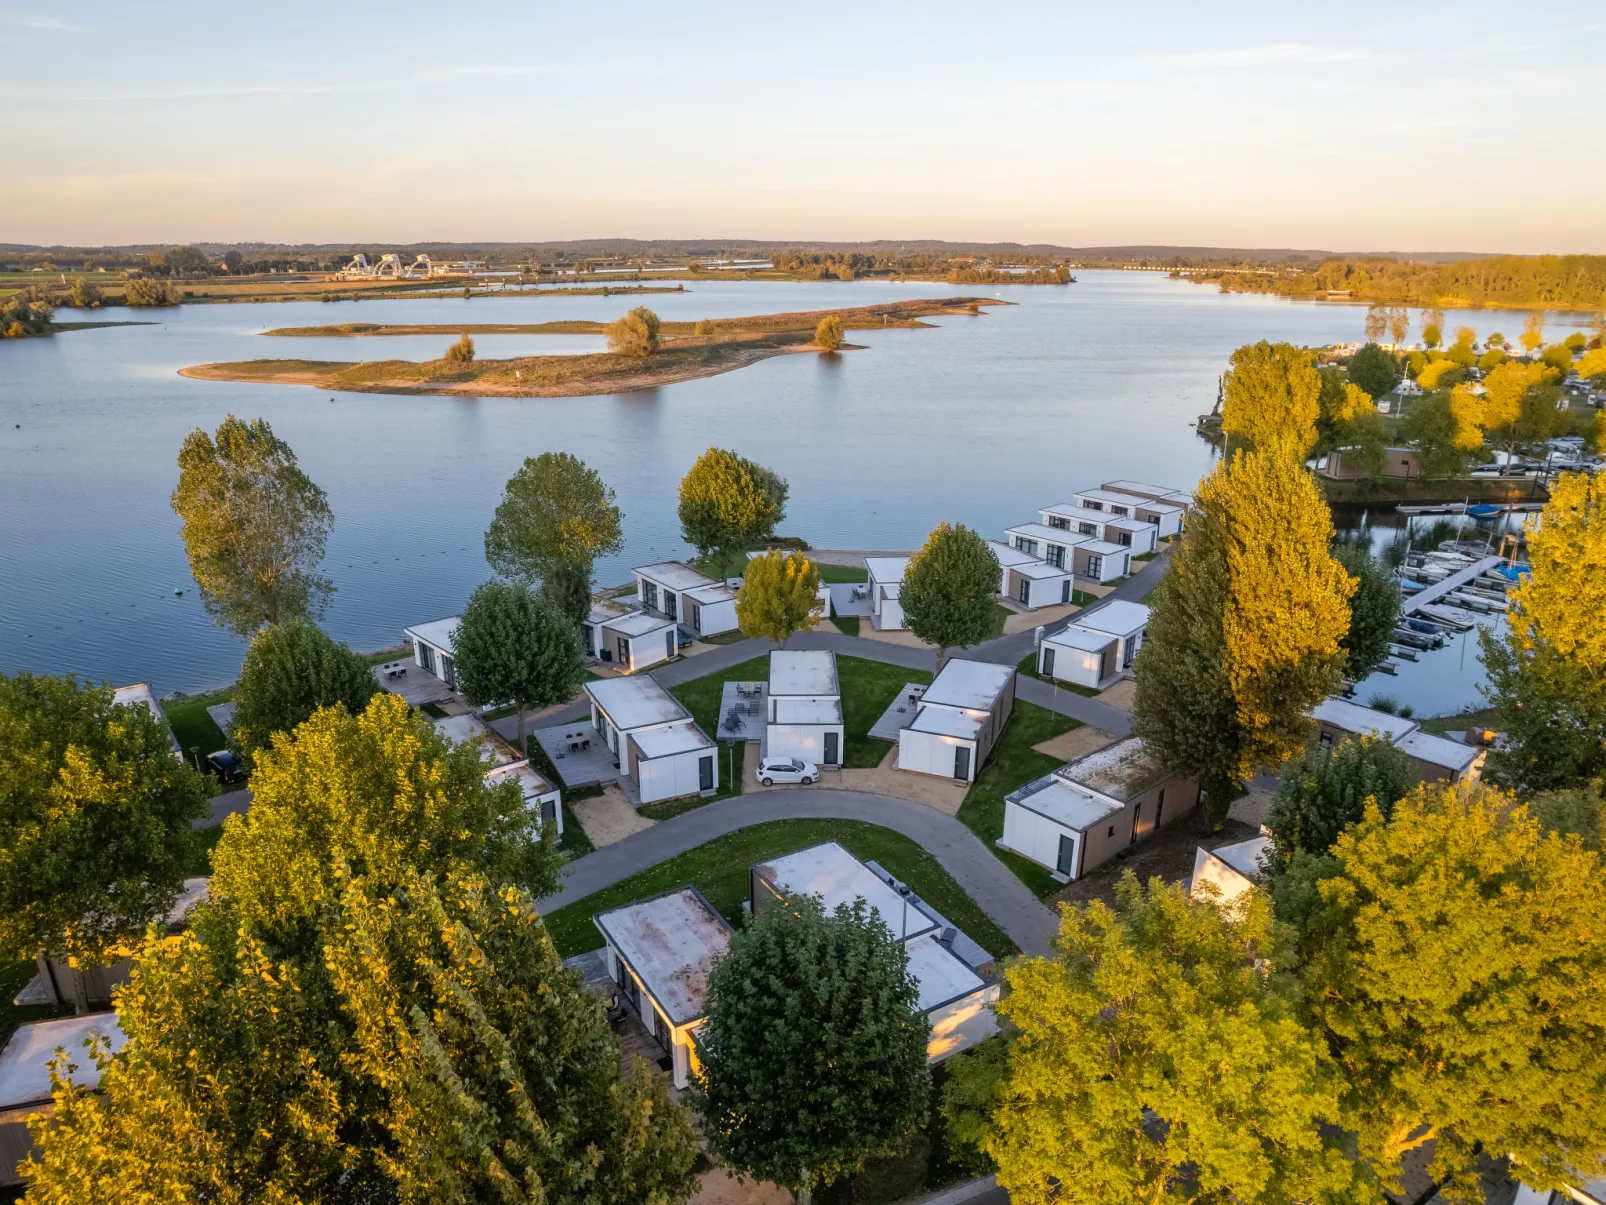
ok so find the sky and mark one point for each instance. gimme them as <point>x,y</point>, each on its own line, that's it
<point>1357,127</point>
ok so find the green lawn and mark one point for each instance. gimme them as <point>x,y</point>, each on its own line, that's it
<point>1000,614</point>
<point>842,574</point>
<point>868,688</point>
<point>399,653</point>
<point>1487,717</point>
<point>848,625</point>
<point>719,870</point>
<point>1014,763</point>
<point>186,715</point>
<point>1028,668</point>
<point>701,695</point>
<point>1081,598</point>
<point>1146,556</point>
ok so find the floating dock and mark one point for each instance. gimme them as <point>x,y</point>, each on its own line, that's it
<point>1461,577</point>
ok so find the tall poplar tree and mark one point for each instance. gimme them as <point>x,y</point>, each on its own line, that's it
<point>779,596</point>
<point>1272,397</point>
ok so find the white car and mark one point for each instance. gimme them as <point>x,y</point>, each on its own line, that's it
<point>785,769</point>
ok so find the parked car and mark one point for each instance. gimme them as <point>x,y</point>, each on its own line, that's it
<point>226,766</point>
<point>684,638</point>
<point>784,769</point>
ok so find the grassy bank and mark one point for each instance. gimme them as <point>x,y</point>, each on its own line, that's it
<point>719,870</point>
<point>1457,489</point>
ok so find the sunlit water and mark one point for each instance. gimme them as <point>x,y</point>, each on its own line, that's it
<point>981,421</point>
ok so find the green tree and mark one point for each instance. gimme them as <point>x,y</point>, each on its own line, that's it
<point>461,352</point>
<point>1446,956</point>
<point>255,526</point>
<point>233,261</point>
<point>1225,676</point>
<point>84,294</point>
<point>290,671</point>
<point>636,334</point>
<point>362,1013</point>
<point>1374,612</point>
<point>95,816</point>
<point>949,588</point>
<point>828,334</point>
<point>1160,1059</point>
<point>1431,426</point>
<point>1547,674</point>
<point>1577,810</point>
<point>779,596</point>
<point>555,518</point>
<point>1330,789</point>
<point>1491,359</point>
<point>1273,397</point>
<point>1374,370</point>
<point>972,1089</point>
<point>814,1053</point>
<point>514,646</point>
<point>1377,322</point>
<point>728,502</point>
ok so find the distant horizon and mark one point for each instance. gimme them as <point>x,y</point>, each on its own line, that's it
<point>1464,130</point>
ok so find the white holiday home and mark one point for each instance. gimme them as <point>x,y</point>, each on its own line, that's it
<point>701,604</point>
<point>660,751</point>
<point>660,951</point>
<point>960,716</point>
<point>1101,525</point>
<point>1231,870</point>
<point>804,705</point>
<point>952,974</point>
<point>1097,647</point>
<point>1433,758</point>
<point>1030,581</point>
<point>141,695</point>
<point>1154,493</point>
<point>506,763</point>
<point>1165,516</point>
<point>886,582</point>
<point>433,649</point>
<point>633,640</point>
<point>1085,556</point>
<point>1090,809</point>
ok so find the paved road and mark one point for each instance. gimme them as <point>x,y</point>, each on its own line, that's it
<point>991,884</point>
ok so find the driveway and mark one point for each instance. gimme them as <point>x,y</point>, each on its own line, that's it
<point>991,884</point>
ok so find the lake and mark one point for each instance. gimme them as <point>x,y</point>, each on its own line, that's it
<point>981,421</point>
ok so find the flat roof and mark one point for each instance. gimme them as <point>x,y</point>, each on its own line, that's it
<point>1104,547</point>
<point>837,877</point>
<point>886,569</point>
<point>677,575</point>
<point>803,672</point>
<point>532,783</point>
<point>1437,750</point>
<point>1245,856</point>
<point>942,722</point>
<point>974,685</point>
<point>637,623</point>
<point>469,729</point>
<point>940,975</point>
<point>1054,535</point>
<point>437,633</point>
<point>1040,570</point>
<point>1088,640</point>
<point>670,942</point>
<point>1118,617</point>
<point>1134,500</point>
<point>808,711</point>
<point>1352,717</point>
<point>718,592</point>
<point>684,737</point>
<point>25,1061</point>
<point>1008,556</point>
<point>635,702</point>
<point>140,694</point>
<point>1119,770</point>
<point>1127,486</point>
<point>1062,802</point>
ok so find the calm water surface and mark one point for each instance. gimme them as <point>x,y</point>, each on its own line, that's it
<point>981,421</point>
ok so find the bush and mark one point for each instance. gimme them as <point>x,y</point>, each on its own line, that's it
<point>1387,704</point>
<point>141,293</point>
<point>829,333</point>
<point>705,327</point>
<point>1374,370</point>
<point>636,334</point>
<point>461,352</point>
<point>84,294</point>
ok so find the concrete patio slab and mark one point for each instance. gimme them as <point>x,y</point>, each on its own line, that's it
<point>899,636</point>
<point>412,682</point>
<point>741,715</point>
<point>942,794</point>
<point>900,713</point>
<point>1121,694</point>
<point>580,767</point>
<point>850,598</point>
<point>608,817</point>
<point>1074,743</point>
<point>1043,617</point>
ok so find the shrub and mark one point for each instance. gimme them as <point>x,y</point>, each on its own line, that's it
<point>705,327</point>
<point>141,292</point>
<point>636,334</point>
<point>461,352</point>
<point>829,333</point>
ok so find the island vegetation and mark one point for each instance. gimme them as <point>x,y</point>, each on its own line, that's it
<point>644,352</point>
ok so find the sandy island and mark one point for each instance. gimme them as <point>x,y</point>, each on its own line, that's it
<point>683,354</point>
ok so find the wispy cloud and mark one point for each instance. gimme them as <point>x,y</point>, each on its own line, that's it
<point>1268,55</point>
<point>159,94</point>
<point>40,22</point>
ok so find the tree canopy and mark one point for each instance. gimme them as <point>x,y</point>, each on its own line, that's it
<point>95,813</point>
<point>1320,796</point>
<point>555,518</point>
<point>949,588</point>
<point>1374,612</point>
<point>728,502</point>
<point>255,526</point>
<point>1451,955</point>
<point>290,671</point>
<point>514,646</point>
<point>636,334</point>
<point>828,334</point>
<point>1374,370</point>
<point>1161,1058</point>
<point>814,1052</point>
<point>367,1009</point>
<point>1272,397</point>
<point>1431,426</point>
<point>779,596</point>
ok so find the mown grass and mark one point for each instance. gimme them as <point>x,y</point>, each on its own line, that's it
<point>186,715</point>
<point>1014,763</point>
<point>719,870</point>
<point>848,625</point>
<point>868,689</point>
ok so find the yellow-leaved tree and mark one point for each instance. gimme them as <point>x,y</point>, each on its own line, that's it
<point>1273,397</point>
<point>779,596</point>
<point>1508,408</point>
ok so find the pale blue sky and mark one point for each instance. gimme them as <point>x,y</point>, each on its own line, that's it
<point>1346,127</point>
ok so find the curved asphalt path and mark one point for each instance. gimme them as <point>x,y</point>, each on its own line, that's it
<point>991,884</point>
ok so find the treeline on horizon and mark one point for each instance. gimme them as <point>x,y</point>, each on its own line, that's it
<point>1520,281</point>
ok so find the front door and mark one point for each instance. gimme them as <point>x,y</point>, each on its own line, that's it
<point>586,638</point>
<point>448,672</point>
<point>1066,862</point>
<point>705,773</point>
<point>962,763</point>
<point>1025,591</point>
<point>621,650</point>
<point>830,749</point>
<point>1065,591</point>
<point>1137,822</point>
<point>1048,663</point>
<point>426,657</point>
<point>669,643</point>
<point>669,605</point>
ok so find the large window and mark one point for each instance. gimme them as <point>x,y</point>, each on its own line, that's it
<point>1029,547</point>
<point>1088,529</point>
<point>1059,522</point>
<point>1055,556</point>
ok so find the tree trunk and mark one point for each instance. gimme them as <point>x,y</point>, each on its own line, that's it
<point>942,655</point>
